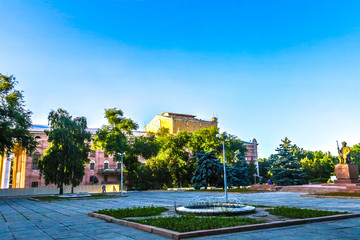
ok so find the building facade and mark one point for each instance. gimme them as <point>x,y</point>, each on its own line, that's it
<point>19,170</point>
<point>177,122</point>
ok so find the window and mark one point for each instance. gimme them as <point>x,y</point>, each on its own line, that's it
<point>118,165</point>
<point>106,165</point>
<point>34,184</point>
<point>105,155</point>
<point>105,179</point>
<point>92,165</point>
<point>92,153</point>
<point>35,159</point>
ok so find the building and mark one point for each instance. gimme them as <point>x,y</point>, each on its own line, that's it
<point>102,169</point>
<point>177,122</point>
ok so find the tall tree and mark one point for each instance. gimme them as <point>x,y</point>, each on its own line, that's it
<point>117,137</point>
<point>14,118</point>
<point>208,170</point>
<point>64,160</point>
<point>285,165</point>
<point>239,173</point>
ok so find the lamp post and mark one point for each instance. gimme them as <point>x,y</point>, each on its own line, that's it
<point>122,155</point>
<point>223,138</point>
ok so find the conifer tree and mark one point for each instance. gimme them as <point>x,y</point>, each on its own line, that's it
<point>239,173</point>
<point>285,165</point>
<point>208,170</point>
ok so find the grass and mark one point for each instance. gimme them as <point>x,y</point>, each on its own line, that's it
<point>340,194</point>
<point>57,198</point>
<point>235,190</point>
<point>293,212</point>
<point>192,223</point>
<point>133,212</point>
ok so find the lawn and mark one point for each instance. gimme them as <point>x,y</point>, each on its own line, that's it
<point>339,194</point>
<point>192,223</point>
<point>133,212</point>
<point>294,212</point>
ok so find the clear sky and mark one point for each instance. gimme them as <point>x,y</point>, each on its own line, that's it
<point>267,69</point>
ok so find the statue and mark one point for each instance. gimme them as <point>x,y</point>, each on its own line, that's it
<point>344,153</point>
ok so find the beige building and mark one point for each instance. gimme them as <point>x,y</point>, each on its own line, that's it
<point>177,122</point>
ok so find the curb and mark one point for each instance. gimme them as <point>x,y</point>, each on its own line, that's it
<point>177,235</point>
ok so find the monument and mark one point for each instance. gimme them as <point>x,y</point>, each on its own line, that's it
<point>346,171</point>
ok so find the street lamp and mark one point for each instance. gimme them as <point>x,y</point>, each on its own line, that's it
<point>223,138</point>
<point>122,155</point>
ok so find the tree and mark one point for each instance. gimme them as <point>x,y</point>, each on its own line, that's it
<point>208,170</point>
<point>252,171</point>
<point>318,165</point>
<point>239,173</point>
<point>117,137</point>
<point>14,118</point>
<point>285,165</point>
<point>355,154</point>
<point>264,164</point>
<point>64,160</point>
<point>204,140</point>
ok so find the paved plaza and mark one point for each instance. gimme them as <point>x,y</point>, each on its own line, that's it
<point>21,218</point>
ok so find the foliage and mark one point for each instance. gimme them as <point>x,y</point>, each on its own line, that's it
<point>233,145</point>
<point>294,212</point>
<point>318,164</point>
<point>239,173</point>
<point>173,164</point>
<point>133,212</point>
<point>319,180</point>
<point>14,118</point>
<point>340,194</point>
<point>116,138</point>
<point>264,164</point>
<point>252,171</point>
<point>355,154</point>
<point>63,162</point>
<point>192,223</point>
<point>208,170</point>
<point>285,165</point>
<point>204,140</point>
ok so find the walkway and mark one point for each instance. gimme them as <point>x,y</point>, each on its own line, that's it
<point>24,219</point>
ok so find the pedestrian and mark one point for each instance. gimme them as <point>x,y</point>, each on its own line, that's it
<point>104,189</point>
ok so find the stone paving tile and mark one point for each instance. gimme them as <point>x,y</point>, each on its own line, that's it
<point>68,219</point>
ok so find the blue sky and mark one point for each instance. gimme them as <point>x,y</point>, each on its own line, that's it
<point>267,69</point>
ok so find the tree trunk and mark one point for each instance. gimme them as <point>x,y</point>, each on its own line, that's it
<point>72,189</point>
<point>61,189</point>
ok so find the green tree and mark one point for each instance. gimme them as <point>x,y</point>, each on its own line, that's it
<point>208,170</point>
<point>239,172</point>
<point>285,165</point>
<point>318,165</point>
<point>117,137</point>
<point>64,160</point>
<point>355,154</point>
<point>204,140</point>
<point>252,171</point>
<point>232,145</point>
<point>264,164</point>
<point>14,118</point>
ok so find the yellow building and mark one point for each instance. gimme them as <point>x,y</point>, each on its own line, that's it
<point>177,122</point>
<point>17,162</point>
